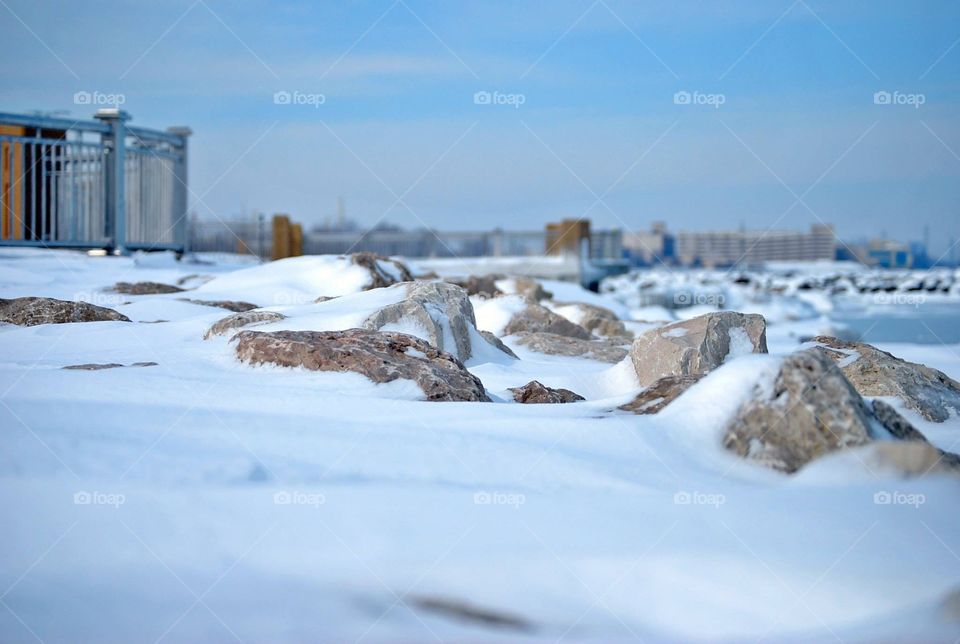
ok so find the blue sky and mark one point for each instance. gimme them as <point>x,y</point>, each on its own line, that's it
<point>797,139</point>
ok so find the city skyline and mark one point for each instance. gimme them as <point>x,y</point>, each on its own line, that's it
<point>709,115</point>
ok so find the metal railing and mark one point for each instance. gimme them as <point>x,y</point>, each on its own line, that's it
<point>92,184</point>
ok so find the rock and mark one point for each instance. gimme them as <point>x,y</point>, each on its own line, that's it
<point>809,410</point>
<point>950,605</point>
<point>383,270</point>
<point>560,345</point>
<point>539,319</point>
<point>325,298</point>
<point>498,343</point>
<point>31,311</point>
<point>111,365</point>
<point>238,320</point>
<point>530,289</point>
<point>596,319</point>
<point>660,394</point>
<point>697,345</point>
<point>536,393</point>
<point>380,356</point>
<point>236,306</point>
<point>484,286</point>
<point>893,422</point>
<point>92,366</point>
<point>470,614</point>
<point>145,288</point>
<point>873,372</point>
<point>907,458</point>
<point>441,309</point>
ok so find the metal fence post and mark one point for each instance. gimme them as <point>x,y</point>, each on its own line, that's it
<point>115,176</point>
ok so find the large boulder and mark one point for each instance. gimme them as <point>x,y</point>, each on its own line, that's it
<point>378,355</point>
<point>660,394</point>
<point>384,271</point>
<point>539,319</point>
<point>145,288</point>
<point>811,409</point>
<point>240,320</point>
<point>604,350</point>
<point>696,346</point>
<point>535,392</point>
<point>441,310</point>
<point>873,372</point>
<point>31,311</point>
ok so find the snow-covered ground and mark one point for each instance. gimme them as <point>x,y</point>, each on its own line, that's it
<point>206,500</point>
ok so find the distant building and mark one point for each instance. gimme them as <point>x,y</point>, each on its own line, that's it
<point>650,248</point>
<point>728,248</point>
<point>887,253</point>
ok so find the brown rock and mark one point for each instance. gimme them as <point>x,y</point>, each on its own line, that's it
<point>238,320</point>
<point>535,392</point>
<point>873,372</point>
<point>539,319</point>
<point>697,345</point>
<point>604,350</point>
<point>380,356</point>
<point>810,410</point>
<point>236,306</point>
<point>145,288</point>
<point>31,311</point>
<point>381,276</point>
<point>484,286</point>
<point>660,394</point>
<point>498,343</point>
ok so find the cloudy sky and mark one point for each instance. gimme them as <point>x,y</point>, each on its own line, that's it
<point>469,115</point>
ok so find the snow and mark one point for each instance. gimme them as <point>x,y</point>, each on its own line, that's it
<point>266,504</point>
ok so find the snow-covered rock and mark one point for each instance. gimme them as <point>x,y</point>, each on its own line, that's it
<point>380,356</point>
<point>873,372</point>
<point>696,346</point>
<point>31,311</point>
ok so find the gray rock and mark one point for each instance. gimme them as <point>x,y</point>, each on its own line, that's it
<point>441,309</point>
<point>31,311</point>
<point>380,275</point>
<point>898,426</point>
<point>535,392</point>
<point>237,306</point>
<point>92,366</point>
<point>539,319</point>
<point>604,350</point>
<point>873,372</point>
<point>660,394</point>
<point>908,458</point>
<point>380,356</point>
<point>238,320</point>
<point>599,320</point>
<point>809,410</point>
<point>474,615</point>
<point>697,345</point>
<point>531,290</point>
<point>145,288</point>
<point>484,286</point>
<point>498,343</point>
